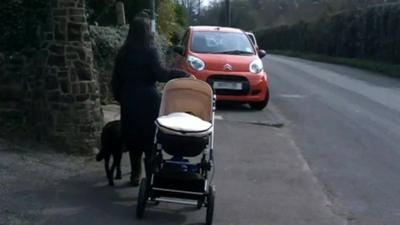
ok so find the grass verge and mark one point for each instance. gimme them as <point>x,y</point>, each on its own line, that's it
<point>387,69</point>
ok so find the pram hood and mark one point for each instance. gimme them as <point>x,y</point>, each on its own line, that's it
<point>188,95</point>
<point>186,108</point>
<point>183,124</point>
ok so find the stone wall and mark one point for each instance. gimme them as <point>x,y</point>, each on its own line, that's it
<point>53,91</point>
<point>66,106</point>
<point>13,99</point>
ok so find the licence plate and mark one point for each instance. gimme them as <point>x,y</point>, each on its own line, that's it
<point>227,85</point>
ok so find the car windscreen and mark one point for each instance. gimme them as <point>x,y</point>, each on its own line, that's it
<point>231,43</point>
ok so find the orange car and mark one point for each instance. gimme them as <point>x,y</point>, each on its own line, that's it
<point>228,61</point>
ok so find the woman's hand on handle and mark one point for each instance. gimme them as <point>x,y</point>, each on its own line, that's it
<point>191,76</point>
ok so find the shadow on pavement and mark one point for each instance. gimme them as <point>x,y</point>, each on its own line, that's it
<point>232,106</point>
<point>87,199</point>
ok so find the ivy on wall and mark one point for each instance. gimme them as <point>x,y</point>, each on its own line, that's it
<point>21,23</point>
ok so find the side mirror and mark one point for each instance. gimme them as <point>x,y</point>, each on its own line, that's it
<point>179,49</point>
<point>262,53</point>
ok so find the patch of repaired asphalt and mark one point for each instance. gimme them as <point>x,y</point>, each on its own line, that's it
<point>266,123</point>
<point>268,117</point>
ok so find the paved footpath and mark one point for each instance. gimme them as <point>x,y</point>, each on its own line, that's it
<point>261,179</point>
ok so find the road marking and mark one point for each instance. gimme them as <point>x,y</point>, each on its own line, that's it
<point>218,117</point>
<point>291,96</point>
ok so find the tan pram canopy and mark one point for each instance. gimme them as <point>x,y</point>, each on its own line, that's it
<point>186,108</point>
<point>178,168</point>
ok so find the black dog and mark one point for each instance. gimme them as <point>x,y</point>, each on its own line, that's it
<point>111,145</point>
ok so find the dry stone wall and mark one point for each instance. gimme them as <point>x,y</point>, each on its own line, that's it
<point>54,90</point>
<point>13,99</point>
<point>71,94</point>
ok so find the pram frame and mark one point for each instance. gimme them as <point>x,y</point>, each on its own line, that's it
<point>154,164</point>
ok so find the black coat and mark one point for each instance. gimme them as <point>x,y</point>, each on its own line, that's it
<point>133,84</point>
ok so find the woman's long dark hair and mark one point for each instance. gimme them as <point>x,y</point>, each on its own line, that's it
<point>139,37</point>
<point>139,33</point>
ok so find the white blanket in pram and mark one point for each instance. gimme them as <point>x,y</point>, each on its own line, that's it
<point>180,123</point>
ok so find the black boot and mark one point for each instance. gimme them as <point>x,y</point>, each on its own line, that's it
<point>136,167</point>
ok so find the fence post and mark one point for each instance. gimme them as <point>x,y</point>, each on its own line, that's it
<point>120,11</point>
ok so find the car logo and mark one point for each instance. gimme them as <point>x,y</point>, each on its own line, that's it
<point>228,67</point>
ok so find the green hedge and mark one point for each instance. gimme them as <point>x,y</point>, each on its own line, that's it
<point>107,41</point>
<point>106,44</point>
<point>372,33</point>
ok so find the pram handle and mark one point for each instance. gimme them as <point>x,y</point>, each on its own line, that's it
<point>191,76</point>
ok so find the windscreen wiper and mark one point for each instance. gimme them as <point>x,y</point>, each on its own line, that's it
<point>235,52</point>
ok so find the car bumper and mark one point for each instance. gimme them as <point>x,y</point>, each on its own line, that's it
<point>256,85</point>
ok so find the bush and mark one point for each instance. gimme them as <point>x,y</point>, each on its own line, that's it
<point>166,19</point>
<point>21,23</point>
<point>106,43</point>
<point>108,40</point>
<point>371,33</point>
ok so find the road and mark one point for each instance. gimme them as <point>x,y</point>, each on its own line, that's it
<point>347,124</point>
<point>323,153</point>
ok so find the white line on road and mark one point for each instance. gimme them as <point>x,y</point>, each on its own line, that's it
<point>218,117</point>
<point>387,96</point>
<point>291,96</point>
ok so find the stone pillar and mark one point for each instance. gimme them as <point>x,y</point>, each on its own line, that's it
<point>71,93</point>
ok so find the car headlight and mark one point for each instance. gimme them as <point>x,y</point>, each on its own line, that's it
<point>256,66</point>
<point>196,63</point>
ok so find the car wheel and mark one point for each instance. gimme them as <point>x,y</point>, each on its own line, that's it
<point>260,105</point>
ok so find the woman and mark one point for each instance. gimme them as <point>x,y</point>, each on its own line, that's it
<point>137,68</point>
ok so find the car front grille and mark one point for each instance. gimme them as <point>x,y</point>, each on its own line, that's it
<point>230,78</point>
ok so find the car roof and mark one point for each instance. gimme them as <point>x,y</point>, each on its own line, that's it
<point>215,28</point>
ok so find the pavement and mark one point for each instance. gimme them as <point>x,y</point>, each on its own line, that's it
<point>261,178</point>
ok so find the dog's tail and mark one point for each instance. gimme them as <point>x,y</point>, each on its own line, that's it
<point>99,156</point>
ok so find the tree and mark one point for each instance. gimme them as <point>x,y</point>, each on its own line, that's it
<point>166,18</point>
<point>103,11</point>
<point>181,15</point>
<point>19,18</point>
<point>253,14</point>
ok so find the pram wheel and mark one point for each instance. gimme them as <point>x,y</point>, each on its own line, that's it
<point>210,205</point>
<point>142,199</point>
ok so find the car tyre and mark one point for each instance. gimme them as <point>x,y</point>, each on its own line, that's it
<point>260,105</point>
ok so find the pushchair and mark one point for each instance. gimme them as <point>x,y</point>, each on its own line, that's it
<point>180,168</point>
